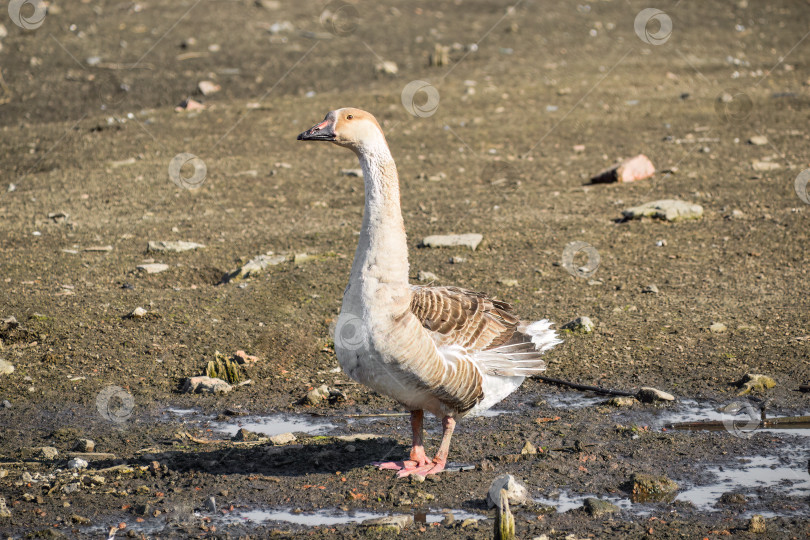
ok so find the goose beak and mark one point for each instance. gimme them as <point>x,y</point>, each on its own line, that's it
<point>325,131</point>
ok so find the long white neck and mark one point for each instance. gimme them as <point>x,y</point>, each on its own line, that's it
<point>381,259</point>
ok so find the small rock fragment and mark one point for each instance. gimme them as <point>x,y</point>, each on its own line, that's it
<point>245,435</point>
<point>207,88</point>
<point>152,268</point>
<point>316,395</point>
<point>599,507</point>
<point>387,67</point>
<point>39,452</point>
<point>581,325</point>
<point>173,246</point>
<point>137,313</point>
<point>422,275</point>
<point>470,240</point>
<point>282,439</point>
<point>729,498</point>
<point>457,260</point>
<point>352,172</point>
<point>71,488</point>
<point>516,492</point>
<point>622,401</point>
<point>668,209</point>
<point>757,524</point>
<point>79,520</point>
<point>717,328</point>
<point>758,140</point>
<point>645,487</point>
<point>98,249</point>
<point>77,463</point>
<point>243,358</point>
<point>6,367</point>
<point>508,282</point>
<point>255,266</point>
<point>4,511</point>
<point>650,289</point>
<point>629,170</point>
<point>648,394</point>
<point>204,384</point>
<point>528,449</point>
<point>388,524</point>
<point>211,504</point>
<point>189,105</point>
<point>754,382</point>
<point>765,166</point>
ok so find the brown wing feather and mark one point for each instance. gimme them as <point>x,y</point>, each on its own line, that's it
<point>457,316</point>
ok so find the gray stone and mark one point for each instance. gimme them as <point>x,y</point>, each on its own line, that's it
<point>426,276</point>
<point>622,401</point>
<point>650,289</point>
<point>282,439</point>
<point>668,209</point>
<point>4,511</point>
<point>598,507</point>
<point>758,140</point>
<point>516,492</point>
<point>470,240</point>
<point>255,266</point>
<point>392,524</point>
<point>71,488</point>
<point>152,268</point>
<point>317,395</point>
<point>173,246</point>
<point>137,313</point>
<point>757,524</point>
<point>211,504</point>
<point>77,463</point>
<point>717,328</point>
<point>40,452</point>
<point>582,325</point>
<point>6,367</point>
<point>204,384</point>
<point>85,445</point>
<point>765,166</point>
<point>648,394</point>
<point>754,382</point>
<point>645,488</point>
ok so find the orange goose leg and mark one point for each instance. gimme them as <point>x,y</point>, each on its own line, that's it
<point>418,456</point>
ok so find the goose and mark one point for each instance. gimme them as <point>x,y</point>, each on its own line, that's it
<point>446,350</point>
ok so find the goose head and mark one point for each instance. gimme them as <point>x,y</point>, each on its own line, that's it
<point>351,128</point>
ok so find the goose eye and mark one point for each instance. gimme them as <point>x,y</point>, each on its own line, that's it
<point>349,117</point>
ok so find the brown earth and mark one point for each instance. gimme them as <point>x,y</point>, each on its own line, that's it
<point>89,130</point>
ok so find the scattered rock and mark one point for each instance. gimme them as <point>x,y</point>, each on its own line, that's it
<point>282,439</point>
<point>717,328</point>
<point>123,162</point>
<point>241,357</point>
<point>245,435</point>
<point>173,246</point>
<point>650,289</point>
<point>668,209</point>
<point>765,166</point>
<point>98,249</point>
<point>754,382</point>
<point>621,401</point>
<point>300,258</point>
<point>316,395</point>
<point>254,267</point>
<point>514,490</point>
<point>137,313</point>
<point>152,268</point>
<point>417,479</point>
<point>211,504</point>
<point>387,67</point>
<point>508,282</point>
<point>80,520</point>
<point>280,27</point>
<point>71,488</point>
<point>504,520</point>
<point>645,487</point>
<point>39,452</point>
<point>388,524</point>
<point>599,507</point>
<point>457,260</point>
<point>648,394</point>
<point>426,276</point>
<point>6,367</point>
<point>757,524</point>
<point>189,104</point>
<point>4,511</point>
<point>77,463</point>
<point>470,240</point>
<point>629,170</point>
<point>486,465</point>
<point>581,325</point>
<point>732,499</point>
<point>758,140</point>
<point>352,172</point>
<point>207,88</point>
<point>58,217</point>
<point>528,449</point>
<point>8,323</point>
<point>203,384</point>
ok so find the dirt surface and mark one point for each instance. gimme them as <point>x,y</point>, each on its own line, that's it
<point>534,100</point>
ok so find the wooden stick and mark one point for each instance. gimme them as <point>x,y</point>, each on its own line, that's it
<point>586,387</point>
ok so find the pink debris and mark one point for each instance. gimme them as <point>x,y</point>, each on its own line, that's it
<point>189,105</point>
<point>629,170</point>
<point>244,358</point>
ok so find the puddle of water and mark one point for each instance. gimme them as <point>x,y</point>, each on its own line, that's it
<point>274,424</point>
<point>760,473</point>
<point>568,501</point>
<point>181,412</point>
<point>334,516</point>
<point>572,400</point>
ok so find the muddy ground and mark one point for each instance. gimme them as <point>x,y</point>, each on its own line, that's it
<point>534,100</point>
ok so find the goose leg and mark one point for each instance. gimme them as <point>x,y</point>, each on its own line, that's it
<point>418,456</point>
<point>440,461</point>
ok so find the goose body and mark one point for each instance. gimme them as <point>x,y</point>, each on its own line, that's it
<point>446,350</point>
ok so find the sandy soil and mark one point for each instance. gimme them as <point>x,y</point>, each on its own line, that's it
<point>533,101</point>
